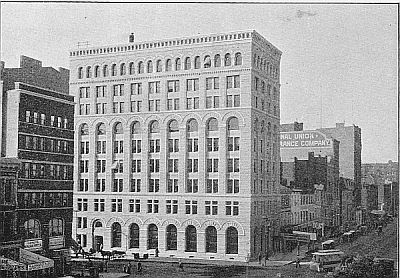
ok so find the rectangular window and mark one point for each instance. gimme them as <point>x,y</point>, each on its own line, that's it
<point>212,186</point>
<point>136,185</point>
<point>84,92</point>
<point>171,206</point>
<point>119,146</point>
<point>232,186</point>
<point>173,145</point>
<point>134,205</point>
<point>84,147</point>
<point>173,165</point>
<point>232,208</point>
<point>211,207</point>
<point>84,166</point>
<point>193,145</point>
<point>136,88</point>
<point>101,91</point>
<point>193,165</point>
<point>192,186</point>
<point>118,90</point>
<point>154,87</point>
<point>191,207</point>
<point>136,166</point>
<point>173,86</point>
<point>28,116</point>
<point>154,165</point>
<point>118,185</point>
<point>100,185</point>
<point>42,119</point>
<point>212,165</point>
<point>172,186</point>
<point>136,146</point>
<point>101,166</point>
<point>101,147</point>
<point>192,84</point>
<point>83,185</point>
<point>154,185</point>
<point>155,146</point>
<point>152,206</point>
<point>196,103</point>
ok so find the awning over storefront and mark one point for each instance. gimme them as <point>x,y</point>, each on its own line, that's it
<point>8,264</point>
<point>34,261</point>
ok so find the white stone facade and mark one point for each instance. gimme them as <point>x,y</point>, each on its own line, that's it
<point>208,134</point>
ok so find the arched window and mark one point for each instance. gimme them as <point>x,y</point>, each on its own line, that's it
<point>211,239</point>
<point>191,239</point>
<point>231,240</point>
<point>134,236</point>
<point>154,127</point>
<point>149,66</point>
<point>113,70</point>
<point>192,126</point>
<point>238,59</point>
<point>197,62</point>
<point>217,60</point>
<point>56,227</point>
<point>152,237</point>
<point>212,124</point>
<point>168,65</point>
<point>32,228</point>
<point>101,129</point>
<point>187,63</point>
<point>135,128</point>
<point>255,127</point>
<point>171,237</point>
<point>269,128</point>
<point>140,67</point>
<point>84,129</point>
<point>118,129</point>
<point>178,64</point>
<point>116,235</point>
<point>131,68</point>
<point>173,126</point>
<point>97,224</point>
<point>122,69</point>
<point>233,123</point>
<point>80,73</point>
<point>105,71</point>
<point>88,72</point>
<point>227,59</point>
<point>207,62</point>
<point>96,71</point>
<point>158,66</point>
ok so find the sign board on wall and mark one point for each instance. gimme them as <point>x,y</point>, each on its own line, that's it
<point>33,244</point>
<point>305,139</point>
<point>56,242</point>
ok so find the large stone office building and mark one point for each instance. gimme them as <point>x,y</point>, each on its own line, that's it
<point>178,146</point>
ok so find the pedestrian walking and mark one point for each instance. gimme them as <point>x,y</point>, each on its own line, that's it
<point>298,262</point>
<point>139,267</point>
<point>129,268</point>
<point>264,261</point>
<point>124,268</point>
<point>259,257</point>
<point>157,252</point>
<point>180,265</point>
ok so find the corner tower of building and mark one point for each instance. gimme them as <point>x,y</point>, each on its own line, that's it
<point>178,146</point>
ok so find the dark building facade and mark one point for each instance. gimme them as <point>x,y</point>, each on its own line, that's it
<point>37,128</point>
<point>350,154</point>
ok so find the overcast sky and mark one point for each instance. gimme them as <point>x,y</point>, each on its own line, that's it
<point>343,56</point>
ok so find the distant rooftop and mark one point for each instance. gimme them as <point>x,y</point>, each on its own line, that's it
<point>166,43</point>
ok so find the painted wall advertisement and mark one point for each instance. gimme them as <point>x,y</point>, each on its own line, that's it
<point>304,139</point>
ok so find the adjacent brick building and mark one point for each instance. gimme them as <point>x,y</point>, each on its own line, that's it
<point>38,128</point>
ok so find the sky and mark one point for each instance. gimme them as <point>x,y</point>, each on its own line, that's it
<point>339,61</point>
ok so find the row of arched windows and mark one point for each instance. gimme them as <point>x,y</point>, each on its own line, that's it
<point>211,244</point>
<point>154,126</point>
<point>267,67</point>
<point>32,228</point>
<point>160,65</point>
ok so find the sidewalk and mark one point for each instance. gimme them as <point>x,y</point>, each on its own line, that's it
<point>269,263</point>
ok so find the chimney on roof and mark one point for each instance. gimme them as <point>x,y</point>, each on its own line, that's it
<point>132,37</point>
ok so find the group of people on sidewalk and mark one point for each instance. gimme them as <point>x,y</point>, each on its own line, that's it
<point>262,258</point>
<point>129,268</point>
